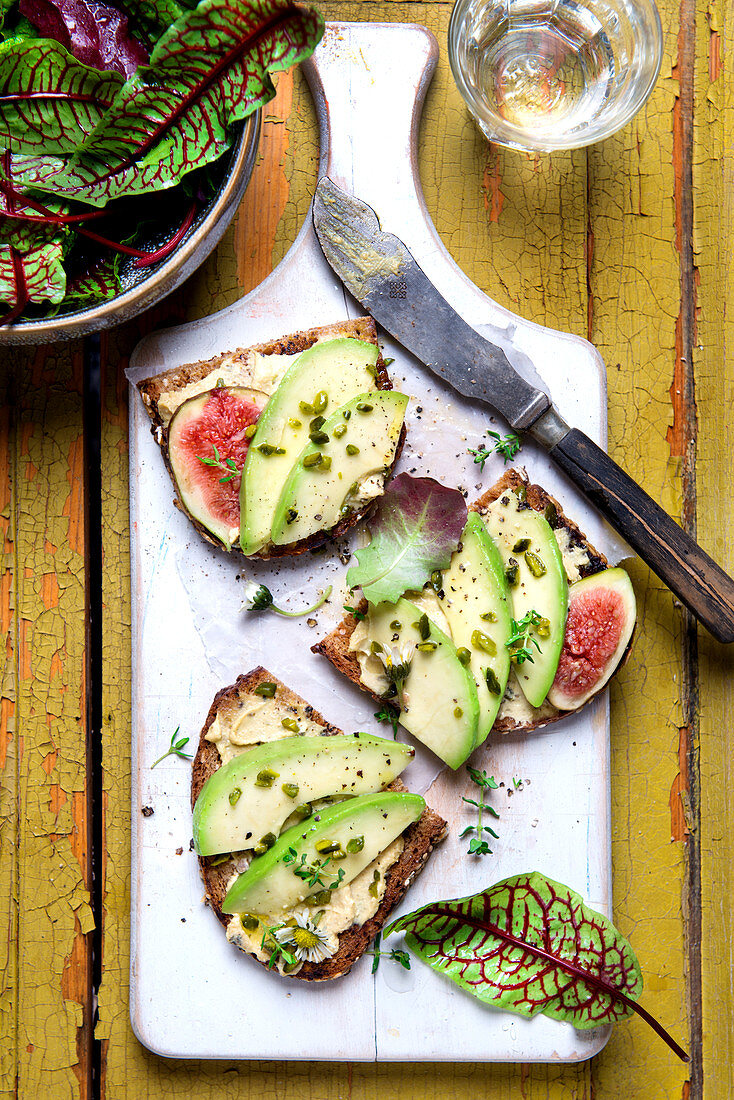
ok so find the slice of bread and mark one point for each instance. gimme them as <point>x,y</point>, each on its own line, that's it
<point>335,646</point>
<point>419,838</point>
<point>178,378</point>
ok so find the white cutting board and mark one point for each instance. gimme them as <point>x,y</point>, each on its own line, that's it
<point>192,995</point>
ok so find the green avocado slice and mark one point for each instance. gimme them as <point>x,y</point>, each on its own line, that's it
<point>355,442</point>
<point>478,608</point>
<point>253,794</point>
<point>346,837</point>
<point>537,580</point>
<point>319,380</point>
<point>438,698</point>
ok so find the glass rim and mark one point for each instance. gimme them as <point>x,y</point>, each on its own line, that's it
<point>512,136</point>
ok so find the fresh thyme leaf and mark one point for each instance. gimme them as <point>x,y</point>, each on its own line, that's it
<point>401,957</point>
<point>231,469</point>
<point>358,615</point>
<point>387,714</point>
<point>176,748</point>
<point>277,950</point>
<point>521,637</point>
<point>507,445</point>
<point>477,845</point>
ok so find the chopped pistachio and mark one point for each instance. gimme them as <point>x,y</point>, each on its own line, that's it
<point>352,449</point>
<point>289,789</point>
<point>290,724</point>
<point>356,844</point>
<point>266,778</point>
<point>535,564</point>
<point>520,546</point>
<point>464,655</point>
<point>480,640</point>
<point>234,796</point>
<point>267,690</point>
<point>339,431</point>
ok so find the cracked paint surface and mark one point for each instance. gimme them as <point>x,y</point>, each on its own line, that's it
<point>45,991</point>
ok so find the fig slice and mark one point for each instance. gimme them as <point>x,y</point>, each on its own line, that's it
<point>601,619</point>
<point>207,446</point>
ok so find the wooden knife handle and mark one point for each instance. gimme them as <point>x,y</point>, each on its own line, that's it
<point>705,589</point>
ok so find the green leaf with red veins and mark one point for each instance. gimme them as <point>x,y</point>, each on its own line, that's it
<point>36,275</point>
<point>414,531</point>
<point>533,946</point>
<point>485,944</point>
<point>211,68</point>
<point>49,101</point>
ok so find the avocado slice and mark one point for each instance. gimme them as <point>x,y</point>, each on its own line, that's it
<point>438,700</point>
<point>356,441</point>
<point>321,379</point>
<point>253,794</point>
<point>345,837</point>
<point>478,609</point>
<point>537,579</point>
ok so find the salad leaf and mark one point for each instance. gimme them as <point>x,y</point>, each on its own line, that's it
<point>49,101</point>
<point>95,33</point>
<point>415,530</point>
<point>211,68</point>
<point>531,945</point>
<point>34,275</point>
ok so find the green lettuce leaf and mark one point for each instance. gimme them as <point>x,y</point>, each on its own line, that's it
<point>49,101</point>
<point>415,530</point>
<point>211,68</point>
<point>532,946</point>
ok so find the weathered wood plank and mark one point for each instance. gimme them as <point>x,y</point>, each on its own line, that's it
<point>47,989</point>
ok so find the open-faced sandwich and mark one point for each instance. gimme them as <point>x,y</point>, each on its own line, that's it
<point>522,623</point>
<point>306,837</point>
<point>275,448</point>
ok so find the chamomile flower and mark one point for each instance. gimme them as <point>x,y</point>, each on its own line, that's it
<point>396,661</point>
<point>305,939</point>
<point>259,598</point>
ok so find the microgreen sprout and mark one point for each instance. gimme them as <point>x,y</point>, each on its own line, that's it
<point>507,445</point>
<point>387,714</point>
<point>478,846</point>
<point>401,957</point>
<point>277,950</point>
<point>520,639</point>
<point>230,467</point>
<point>358,615</point>
<point>176,748</point>
<point>259,598</point>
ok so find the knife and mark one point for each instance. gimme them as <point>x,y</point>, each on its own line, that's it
<point>378,269</point>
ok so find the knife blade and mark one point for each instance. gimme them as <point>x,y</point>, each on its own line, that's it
<point>380,272</point>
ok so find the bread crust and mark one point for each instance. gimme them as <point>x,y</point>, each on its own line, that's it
<point>420,838</point>
<point>360,328</point>
<point>335,646</point>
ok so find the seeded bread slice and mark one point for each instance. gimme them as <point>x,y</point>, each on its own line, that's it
<point>151,390</point>
<point>419,838</point>
<point>335,646</point>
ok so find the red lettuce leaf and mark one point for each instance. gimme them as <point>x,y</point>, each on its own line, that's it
<point>415,529</point>
<point>49,102</point>
<point>532,946</point>
<point>96,34</point>
<point>210,69</point>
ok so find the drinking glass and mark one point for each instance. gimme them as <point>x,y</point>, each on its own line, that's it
<point>554,74</point>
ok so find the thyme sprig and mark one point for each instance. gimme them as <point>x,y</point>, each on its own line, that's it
<point>358,615</point>
<point>521,637</point>
<point>229,465</point>
<point>478,846</point>
<point>401,957</point>
<point>176,748</point>
<point>387,714</point>
<point>311,873</point>
<point>259,598</point>
<point>506,445</point>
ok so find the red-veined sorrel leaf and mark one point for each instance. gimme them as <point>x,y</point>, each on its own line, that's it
<point>210,69</point>
<point>49,102</point>
<point>152,17</point>
<point>532,946</point>
<point>416,528</point>
<point>96,34</point>
<point>36,275</point>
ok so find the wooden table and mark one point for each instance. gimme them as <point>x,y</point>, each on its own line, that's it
<point>627,243</point>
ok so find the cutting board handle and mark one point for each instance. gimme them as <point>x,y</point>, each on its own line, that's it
<point>368,82</point>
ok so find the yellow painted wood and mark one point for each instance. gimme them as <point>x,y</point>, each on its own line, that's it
<point>713,185</point>
<point>44,1004</point>
<point>521,227</point>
